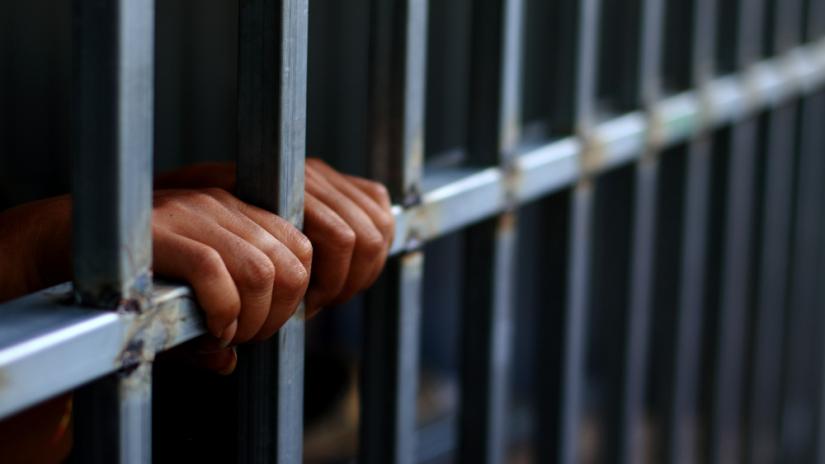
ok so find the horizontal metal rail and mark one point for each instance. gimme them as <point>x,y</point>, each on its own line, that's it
<point>74,345</point>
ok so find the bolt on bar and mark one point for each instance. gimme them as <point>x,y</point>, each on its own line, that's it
<point>771,306</point>
<point>726,409</point>
<point>272,72</point>
<point>490,249</point>
<point>114,73</point>
<point>389,383</point>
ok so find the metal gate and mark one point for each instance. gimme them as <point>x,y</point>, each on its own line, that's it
<point>675,150</point>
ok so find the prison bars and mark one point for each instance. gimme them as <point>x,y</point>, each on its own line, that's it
<point>389,382</point>
<point>53,338</point>
<point>476,195</point>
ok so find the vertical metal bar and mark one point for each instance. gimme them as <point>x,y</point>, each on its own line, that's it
<point>272,61</point>
<point>490,252</point>
<point>114,74</point>
<point>764,407</point>
<point>398,44</point>
<point>114,87</point>
<point>113,418</point>
<point>727,401</point>
<point>681,427</point>
<point>797,417</point>
<point>564,447</point>
<point>634,369</point>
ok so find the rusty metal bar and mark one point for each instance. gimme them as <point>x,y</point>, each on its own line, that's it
<point>389,383</point>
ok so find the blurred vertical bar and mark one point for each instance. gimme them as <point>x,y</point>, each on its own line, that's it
<point>634,370</point>
<point>773,283</point>
<point>559,430</point>
<point>812,148</point>
<point>272,66</point>
<point>727,399</point>
<point>398,36</point>
<point>494,114</point>
<point>114,82</point>
<point>801,386</point>
<point>680,434</point>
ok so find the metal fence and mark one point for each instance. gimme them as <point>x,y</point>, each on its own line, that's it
<point>679,157</point>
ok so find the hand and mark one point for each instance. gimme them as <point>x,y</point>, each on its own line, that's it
<point>249,268</point>
<point>347,219</point>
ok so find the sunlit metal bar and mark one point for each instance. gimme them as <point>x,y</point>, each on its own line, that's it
<point>490,252</point>
<point>633,377</point>
<point>272,67</point>
<point>729,364</point>
<point>398,44</point>
<point>114,82</point>
<point>31,333</point>
<point>771,306</point>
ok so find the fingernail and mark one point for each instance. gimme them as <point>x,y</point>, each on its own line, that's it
<point>228,334</point>
<point>230,366</point>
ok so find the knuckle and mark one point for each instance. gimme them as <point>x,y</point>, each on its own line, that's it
<point>294,282</point>
<point>372,242</point>
<point>379,190</point>
<point>259,272</point>
<point>209,262</point>
<point>343,238</point>
<point>303,250</point>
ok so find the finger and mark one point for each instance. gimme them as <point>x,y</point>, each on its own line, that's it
<point>283,231</point>
<point>291,275</point>
<point>333,241</point>
<point>377,207</point>
<point>252,271</point>
<point>182,258</point>
<point>375,190</point>
<point>369,244</point>
<point>206,353</point>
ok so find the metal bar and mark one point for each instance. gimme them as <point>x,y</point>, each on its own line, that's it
<point>398,44</point>
<point>766,380</point>
<point>494,128</point>
<point>272,67</point>
<point>471,195</point>
<point>634,369</point>
<point>797,417</point>
<point>115,415</point>
<point>726,433</point>
<point>486,341</point>
<point>390,375</point>
<point>771,305</point>
<point>681,428</point>
<point>112,249</point>
<point>114,72</point>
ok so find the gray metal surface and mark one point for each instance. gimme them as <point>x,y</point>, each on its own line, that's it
<point>46,335</point>
<point>494,122</point>
<point>630,444</point>
<point>389,382</point>
<point>271,152</point>
<point>114,73</point>
<point>726,432</point>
